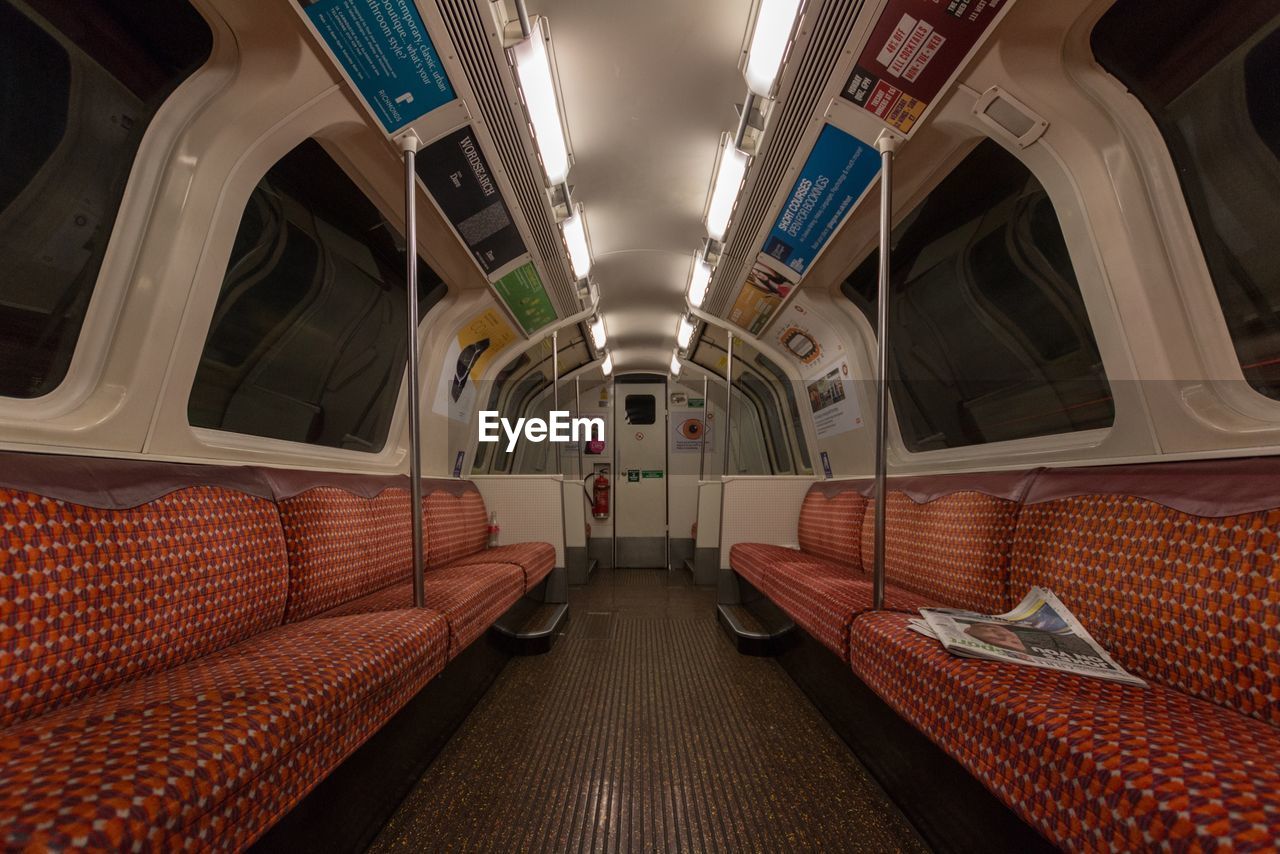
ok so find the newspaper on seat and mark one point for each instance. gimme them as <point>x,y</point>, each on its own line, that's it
<point>1040,632</point>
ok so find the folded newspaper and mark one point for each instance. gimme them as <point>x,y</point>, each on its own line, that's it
<point>1040,631</point>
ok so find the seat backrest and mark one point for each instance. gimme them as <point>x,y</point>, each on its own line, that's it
<point>1173,568</point>
<point>347,535</point>
<point>830,523</point>
<point>948,537</point>
<point>113,569</point>
<point>457,520</point>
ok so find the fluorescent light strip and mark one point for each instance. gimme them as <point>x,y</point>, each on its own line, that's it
<point>575,237</point>
<point>730,171</point>
<point>598,336</point>
<point>533,69</point>
<point>774,23</point>
<point>607,364</point>
<point>685,333</point>
<point>675,364</point>
<point>698,282</point>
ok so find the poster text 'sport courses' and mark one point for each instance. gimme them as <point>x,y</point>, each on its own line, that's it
<point>525,296</point>
<point>914,48</point>
<point>457,175</point>
<point>384,47</point>
<point>837,173</point>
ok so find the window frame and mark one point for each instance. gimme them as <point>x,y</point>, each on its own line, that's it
<point>1238,406</point>
<point>1131,433</point>
<point>131,227</point>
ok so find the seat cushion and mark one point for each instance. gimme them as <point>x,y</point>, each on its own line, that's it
<point>343,545</point>
<point>1093,765</point>
<point>1191,602</point>
<point>90,597</point>
<point>535,559</point>
<point>457,525</point>
<point>754,560</point>
<point>470,597</point>
<point>210,754</point>
<point>824,599</point>
<point>953,548</point>
<point>830,524</point>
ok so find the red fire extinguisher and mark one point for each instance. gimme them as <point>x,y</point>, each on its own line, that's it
<point>600,495</point>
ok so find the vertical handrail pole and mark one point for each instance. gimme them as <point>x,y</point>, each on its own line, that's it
<point>409,144</point>
<point>706,422</point>
<point>577,413</point>
<point>887,144</point>
<point>728,410</point>
<point>555,389</point>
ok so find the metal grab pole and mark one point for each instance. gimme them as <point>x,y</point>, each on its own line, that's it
<point>409,144</point>
<point>706,423</point>
<point>728,409</point>
<point>577,413</point>
<point>555,388</point>
<point>887,144</point>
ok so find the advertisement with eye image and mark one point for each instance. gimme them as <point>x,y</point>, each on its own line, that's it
<point>689,431</point>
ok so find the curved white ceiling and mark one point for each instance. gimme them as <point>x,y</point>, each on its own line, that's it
<point>648,88</point>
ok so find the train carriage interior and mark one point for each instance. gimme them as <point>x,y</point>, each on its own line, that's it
<point>552,425</point>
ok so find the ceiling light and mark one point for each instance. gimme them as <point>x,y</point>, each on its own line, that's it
<point>597,333</point>
<point>685,333</point>
<point>533,68</point>
<point>675,364</point>
<point>774,22</point>
<point>698,282</point>
<point>724,192</point>
<point>575,237</point>
<point>607,364</point>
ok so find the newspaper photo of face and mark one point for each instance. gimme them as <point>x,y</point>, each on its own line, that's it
<point>1000,636</point>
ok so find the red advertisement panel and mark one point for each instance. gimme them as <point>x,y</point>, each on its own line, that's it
<point>914,48</point>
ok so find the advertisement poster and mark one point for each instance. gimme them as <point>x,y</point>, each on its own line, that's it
<point>808,338</point>
<point>479,341</point>
<point>688,428</point>
<point>385,50</point>
<point>766,286</point>
<point>914,48</point>
<point>522,291</point>
<point>455,172</point>
<point>834,404</point>
<point>838,172</point>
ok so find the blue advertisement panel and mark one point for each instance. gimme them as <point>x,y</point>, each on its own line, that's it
<point>384,47</point>
<point>839,170</point>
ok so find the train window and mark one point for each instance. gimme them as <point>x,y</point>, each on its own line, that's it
<point>79,83</point>
<point>990,339</point>
<point>1207,73</point>
<point>307,339</point>
<point>641,409</point>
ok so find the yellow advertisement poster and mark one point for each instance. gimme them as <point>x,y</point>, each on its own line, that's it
<point>478,342</point>
<point>767,285</point>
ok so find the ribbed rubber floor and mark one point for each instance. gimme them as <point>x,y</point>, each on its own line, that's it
<point>643,730</point>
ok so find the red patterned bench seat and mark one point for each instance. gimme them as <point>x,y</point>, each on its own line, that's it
<point>1175,568</point>
<point>185,651</point>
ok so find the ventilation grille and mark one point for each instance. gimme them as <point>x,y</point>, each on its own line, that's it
<point>833,25</point>
<point>475,53</point>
